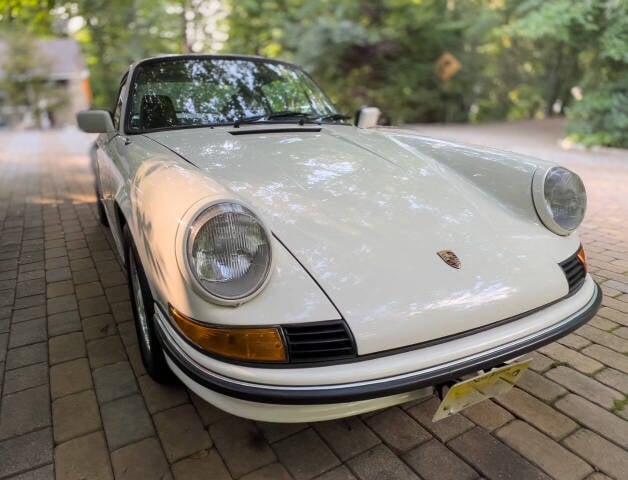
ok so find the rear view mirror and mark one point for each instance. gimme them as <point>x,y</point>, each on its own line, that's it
<point>95,121</point>
<point>367,117</point>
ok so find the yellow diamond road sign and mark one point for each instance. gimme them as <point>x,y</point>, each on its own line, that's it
<point>447,66</point>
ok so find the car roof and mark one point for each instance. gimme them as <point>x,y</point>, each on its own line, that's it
<point>205,56</point>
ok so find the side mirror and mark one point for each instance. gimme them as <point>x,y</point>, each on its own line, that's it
<point>367,117</point>
<point>95,121</point>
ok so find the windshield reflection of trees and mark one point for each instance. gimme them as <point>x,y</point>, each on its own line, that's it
<point>221,91</point>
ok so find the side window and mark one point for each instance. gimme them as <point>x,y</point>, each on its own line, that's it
<point>118,109</point>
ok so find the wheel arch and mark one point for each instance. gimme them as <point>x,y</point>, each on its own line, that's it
<point>121,222</point>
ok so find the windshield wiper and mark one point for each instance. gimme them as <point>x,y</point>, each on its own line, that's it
<point>288,113</point>
<point>271,116</point>
<point>250,119</point>
<point>333,116</point>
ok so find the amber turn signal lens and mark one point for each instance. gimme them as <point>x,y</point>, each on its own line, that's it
<point>583,259</point>
<point>247,344</point>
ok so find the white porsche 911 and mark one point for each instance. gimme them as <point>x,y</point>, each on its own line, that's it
<point>288,266</point>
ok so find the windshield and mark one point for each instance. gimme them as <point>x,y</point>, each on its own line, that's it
<point>181,93</point>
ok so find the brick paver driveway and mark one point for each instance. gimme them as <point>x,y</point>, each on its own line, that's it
<point>77,403</point>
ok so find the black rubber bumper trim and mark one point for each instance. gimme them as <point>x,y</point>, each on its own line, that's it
<point>367,391</point>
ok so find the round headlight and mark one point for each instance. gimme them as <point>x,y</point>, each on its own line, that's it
<point>228,251</point>
<point>560,199</point>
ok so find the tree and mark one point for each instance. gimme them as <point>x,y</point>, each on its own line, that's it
<point>520,58</point>
<point>34,16</point>
<point>592,38</point>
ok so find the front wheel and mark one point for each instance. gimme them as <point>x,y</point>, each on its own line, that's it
<point>102,215</point>
<point>143,310</point>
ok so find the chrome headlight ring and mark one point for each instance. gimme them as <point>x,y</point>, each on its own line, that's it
<point>225,251</point>
<point>559,198</point>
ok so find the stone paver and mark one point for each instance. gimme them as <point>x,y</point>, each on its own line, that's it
<point>161,397</point>
<point>595,418</point>
<point>25,452</point>
<point>601,453</point>
<point>614,379</point>
<point>347,436</point>
<point>44,473</point>
<point>24,411</point>
<point>31,313</point>
<point>274,471</point>
<point>181,432</point>
<point>58,289</point>
<point>65,322</point>
<point>445,429</point>
<point>105,351</point>
<point>25,377</point>
<point>99,326</point>
<point>488,415</point>
<point>206,465</point>
<point>61,304</point>
<point>572,358</point>
<point>143,459</point>
<point>114,381</point>
<point>83,457</point>
<point>70,377</point>
<point>540,386</point>
<point>69,357</point>
<point>273,432</point>
<point>66,347</point>
<point>338,473</point>
<point>75,415</point>
<point>618,361</point>
<point>610,340</point>
<point>434,461</point>
<point>537,413</point>
<point>554,459</point>
<point>241,445</point>
<point>585,386</point>
<point>492,458</point>
<point>126,421</point>
<point>305,455</point>
<point>398,430</point>
<point>380,463</point>
<point>135,358</point>
<point>27,332</point>
<point>28,355</point>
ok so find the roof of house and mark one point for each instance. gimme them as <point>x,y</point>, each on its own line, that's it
<point>66,60</point>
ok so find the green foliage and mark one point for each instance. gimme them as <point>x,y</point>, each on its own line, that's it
<point>116,36</point>
<point>601,117</point>
<point>520,58</point>
<point>594,37</point>
<point>31,15</point>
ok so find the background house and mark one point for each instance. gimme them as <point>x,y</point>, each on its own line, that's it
<point>43,82</point>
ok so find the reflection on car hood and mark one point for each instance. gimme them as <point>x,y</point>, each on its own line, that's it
<point>366,217</point>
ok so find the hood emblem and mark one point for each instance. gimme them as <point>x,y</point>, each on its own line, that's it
<point>450,258</point>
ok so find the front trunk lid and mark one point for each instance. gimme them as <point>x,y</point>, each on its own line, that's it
<point>368,227</point>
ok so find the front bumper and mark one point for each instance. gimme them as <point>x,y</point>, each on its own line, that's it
<point>370,389</point>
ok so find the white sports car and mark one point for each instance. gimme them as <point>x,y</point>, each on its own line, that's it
<point>288,266</point>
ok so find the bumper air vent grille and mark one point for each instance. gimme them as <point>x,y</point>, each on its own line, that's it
<point>319,342</point>
<point>574,272</point>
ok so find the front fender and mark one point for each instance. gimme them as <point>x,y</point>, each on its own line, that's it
<point>161,196</point>
<point>506,176</point>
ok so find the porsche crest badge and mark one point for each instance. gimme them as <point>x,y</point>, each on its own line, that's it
<point>450,258</point>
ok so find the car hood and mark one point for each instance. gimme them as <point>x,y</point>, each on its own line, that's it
<point>366,216</point>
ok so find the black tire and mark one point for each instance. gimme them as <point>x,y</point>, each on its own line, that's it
<point>102,215</point>
<point>143,310</point>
